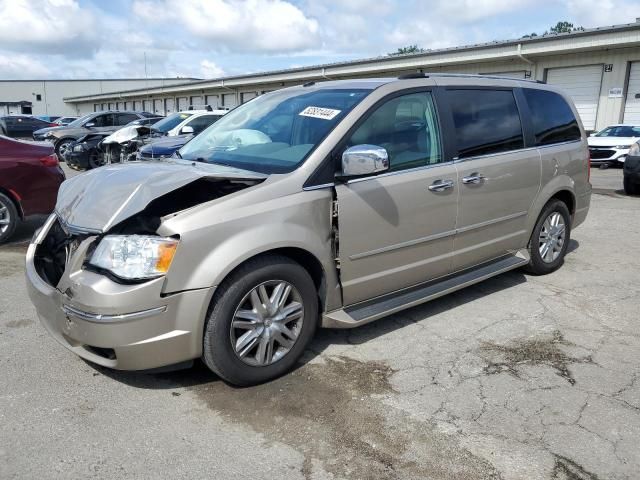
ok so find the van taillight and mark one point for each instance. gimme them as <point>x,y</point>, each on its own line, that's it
<point>49,160</point>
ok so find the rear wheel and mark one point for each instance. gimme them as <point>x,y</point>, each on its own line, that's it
<point>630,188</point>
<point>8,218</point>
<point>261,320</point>
<point>550,238</point>
<point>63,148</point>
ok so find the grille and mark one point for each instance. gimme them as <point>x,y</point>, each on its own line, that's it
<point>601,153</point>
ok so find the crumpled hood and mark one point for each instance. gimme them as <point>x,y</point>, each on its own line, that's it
<point>101,198</point>
<point>610,141</point>
<point>126,134</point>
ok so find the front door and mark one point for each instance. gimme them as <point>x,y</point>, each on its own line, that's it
<point>498,178</point>
<point>396,228</point>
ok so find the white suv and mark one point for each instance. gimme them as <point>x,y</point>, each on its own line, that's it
<point>189,122</point>
<point>610,145</point>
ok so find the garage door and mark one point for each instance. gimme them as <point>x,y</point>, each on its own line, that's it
<point>229,100</point>
<point>183,103</point>
<point>246,96</point>
<point>169,105</point>
<point>632,104</point>
<point>583,86</point>
<point>158,106</point>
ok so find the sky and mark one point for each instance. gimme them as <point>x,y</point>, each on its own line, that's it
<point>217,38</point>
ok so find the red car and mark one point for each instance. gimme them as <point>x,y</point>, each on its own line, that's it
<point>30,176</point>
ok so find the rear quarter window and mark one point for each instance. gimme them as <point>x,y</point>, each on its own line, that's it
<point>486,121</point>
<point>552,118</point>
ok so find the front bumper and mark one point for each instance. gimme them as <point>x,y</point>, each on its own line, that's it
<point>78,159</point>
<point>608,155</point>
<point>125,327</point>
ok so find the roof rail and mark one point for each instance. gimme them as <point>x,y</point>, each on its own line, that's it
<point>409,76</point>
<point>466,75</point>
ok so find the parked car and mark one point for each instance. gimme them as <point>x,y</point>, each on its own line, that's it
<point>162,147</point>
<point>85,153</point>
<point>29,180</point>
<point>631,172</point>
<point>122,145</point>
<point>63,137</point>
<point>330,204</point>
<point>64,121</point>
<point>610,145</point>
<point>21,125</point>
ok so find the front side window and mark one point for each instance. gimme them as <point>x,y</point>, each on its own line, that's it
<point>407,128</point>
<point>553,120</point>
<point>486,121</point>
<point>124,118</point>
<point>105,120</point>
<point>170,122</point>
<point>274,133</point>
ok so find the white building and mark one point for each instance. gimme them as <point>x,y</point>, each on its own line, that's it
<point>45,97</point>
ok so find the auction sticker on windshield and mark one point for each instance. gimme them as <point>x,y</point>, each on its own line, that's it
<point>320,112</point>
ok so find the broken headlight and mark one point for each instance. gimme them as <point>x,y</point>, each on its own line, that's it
<point>81,147</point>
<point>134,256</point>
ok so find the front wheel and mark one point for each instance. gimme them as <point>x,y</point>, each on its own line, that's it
<point>550,238</point>
<point>261,320</point>
<point>63,148</point>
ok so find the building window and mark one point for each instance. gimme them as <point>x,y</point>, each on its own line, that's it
<point>38,97</point>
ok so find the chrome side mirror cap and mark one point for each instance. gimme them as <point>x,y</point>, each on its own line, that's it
<point>364,160</point>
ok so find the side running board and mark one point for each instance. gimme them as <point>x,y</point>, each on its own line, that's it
<point>365,312</point>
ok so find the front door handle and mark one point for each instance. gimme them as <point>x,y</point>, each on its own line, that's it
<point>441,185</point>
<point>473,179</point>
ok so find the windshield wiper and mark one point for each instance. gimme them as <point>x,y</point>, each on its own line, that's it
<point>177,154</point>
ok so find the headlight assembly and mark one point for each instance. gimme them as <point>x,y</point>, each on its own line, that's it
<point>81,147</point>
<point>135,257</point>
<point>620,147</point>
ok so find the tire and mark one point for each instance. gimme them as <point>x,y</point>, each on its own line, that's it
<point>630,188</point>
<point>9,218</point>
<point>553,259</point>
<point>94,160</point>
<point>221,341</point>
<point>61,146</point>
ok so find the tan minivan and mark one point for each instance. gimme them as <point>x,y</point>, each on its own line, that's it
<point>329,204</point>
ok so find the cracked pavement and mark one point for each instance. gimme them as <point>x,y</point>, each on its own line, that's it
<point>519,377</point>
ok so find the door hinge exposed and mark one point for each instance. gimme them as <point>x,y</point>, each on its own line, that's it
<point>335,240</point>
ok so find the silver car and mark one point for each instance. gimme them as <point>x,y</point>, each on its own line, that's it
<point>323,205</point>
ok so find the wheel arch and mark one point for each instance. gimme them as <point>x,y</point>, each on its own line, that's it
<point>15,201</point>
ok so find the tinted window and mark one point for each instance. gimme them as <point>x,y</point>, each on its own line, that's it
<point>553,119</point>
<point>200,123</point>
<point>105,120</point>
<point>124,118</point>
<point>486,121</point>
<point>407,127</point>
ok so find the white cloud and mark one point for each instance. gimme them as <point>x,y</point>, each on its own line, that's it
<point>21,67</point>
<point>597,13</point>
<point>236,25</point>
<point>209,69</point>
<point>48,26</point>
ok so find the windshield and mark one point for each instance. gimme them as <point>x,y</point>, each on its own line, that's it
<point>619,131</point>
<point>170,122</point>
<point>273,133</point>
<point>78,122</point>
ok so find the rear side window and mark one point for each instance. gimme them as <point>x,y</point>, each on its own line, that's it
<point>486,121</point>
<point>552,118</point>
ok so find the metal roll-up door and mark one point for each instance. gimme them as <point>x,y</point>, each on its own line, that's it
<point>246,96</point>
<point>147,106</point>
<point>158,106</point>
<point>169,105</point>
<point>137,105</point>
<point>229,100</point>
<point>583,86</point>
<point>183,103</point>
<point>212,101</point>
<point>632,102</point>
<point>197,103</point>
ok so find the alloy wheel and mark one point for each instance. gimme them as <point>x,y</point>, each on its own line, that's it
<point>552,237</point>
<point>5,218</point>
<point>267,323</point>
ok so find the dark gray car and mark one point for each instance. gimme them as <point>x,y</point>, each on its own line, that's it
<point>109,121</point>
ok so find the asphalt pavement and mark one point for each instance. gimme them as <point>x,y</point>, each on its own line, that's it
<point>519,377</point>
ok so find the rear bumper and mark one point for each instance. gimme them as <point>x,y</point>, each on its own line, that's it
<point>583,202</point>
<point>125,327</point>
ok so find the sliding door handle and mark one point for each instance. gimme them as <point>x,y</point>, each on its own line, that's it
<point>473,179</point>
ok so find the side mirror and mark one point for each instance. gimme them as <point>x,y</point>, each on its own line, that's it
<point>364,160</point>
<point>89,125</point>
<point>187,130</point>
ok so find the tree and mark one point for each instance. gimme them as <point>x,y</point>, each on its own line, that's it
<point>560,27</point>
<point>406,50</point>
